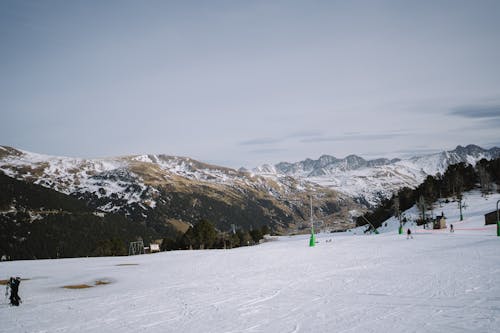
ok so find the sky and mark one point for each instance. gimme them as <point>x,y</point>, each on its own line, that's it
<point>242,83</point>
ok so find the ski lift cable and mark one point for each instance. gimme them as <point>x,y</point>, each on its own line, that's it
<point>368,222</point>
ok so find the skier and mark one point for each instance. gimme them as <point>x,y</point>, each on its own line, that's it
<point>409,234</point>
<point>13,284</point>
<point>451,228</point>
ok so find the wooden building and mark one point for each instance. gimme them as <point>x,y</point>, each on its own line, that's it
<point>490,218</point>
<point>439,222</point>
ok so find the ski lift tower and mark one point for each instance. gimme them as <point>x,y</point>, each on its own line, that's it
<point>136,248</point>
<point>460,206</point>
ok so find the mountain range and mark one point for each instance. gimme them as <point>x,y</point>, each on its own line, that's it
<point>162,196</point>
<point>169,193</point>
<point>369,181</point>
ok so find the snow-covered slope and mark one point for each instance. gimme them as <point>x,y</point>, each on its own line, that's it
<point>70,175</point>
<point>436,282</point>
<point>475,205</point>
<point>369,181</point>
<point>98,177</point>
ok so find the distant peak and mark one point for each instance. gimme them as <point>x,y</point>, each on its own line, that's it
<point>326,157</point>
<point>354,157</point>
<point>471,148</point>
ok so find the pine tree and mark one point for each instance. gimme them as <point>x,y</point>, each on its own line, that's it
<point>245,238</point>
<point>256,235</point>
<point>205,234</point>
<point>265,230</point>
<point>234,240</point>
<point>188,239</point>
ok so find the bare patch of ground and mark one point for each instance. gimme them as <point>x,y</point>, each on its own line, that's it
<point>77,286</point>
<point>85,286</point>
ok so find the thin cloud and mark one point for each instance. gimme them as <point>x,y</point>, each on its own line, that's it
<point>494,122</point>
<point>324,139</point>
<point>481,124</point>
<point>355,137</point>
<point>260,141</point>
<point>268,151</point>
<point>269,141</point>
<point>488,123</point>
<point>476,111</point>
<point>492,144</point>
<point>303,134</point>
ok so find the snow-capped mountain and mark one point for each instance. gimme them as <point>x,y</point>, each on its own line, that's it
<point>368,181</point>
<point>168,190</point>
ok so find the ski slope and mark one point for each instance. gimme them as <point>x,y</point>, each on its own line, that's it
<point>436,282</point>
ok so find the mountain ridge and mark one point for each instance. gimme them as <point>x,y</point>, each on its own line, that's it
<point>369,181</point>
<point>163,191</point>
<point>354,161</point>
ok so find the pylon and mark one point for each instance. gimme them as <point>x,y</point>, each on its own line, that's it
<point>312,239</point>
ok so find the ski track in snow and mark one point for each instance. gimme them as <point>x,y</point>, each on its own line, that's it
<point>436,282</point>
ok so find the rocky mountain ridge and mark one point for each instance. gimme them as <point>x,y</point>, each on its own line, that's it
<point>368,181</point>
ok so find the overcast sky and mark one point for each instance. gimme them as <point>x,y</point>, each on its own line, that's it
<point>241,83</point>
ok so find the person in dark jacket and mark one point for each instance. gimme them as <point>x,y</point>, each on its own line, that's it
<point>14,290</point>
<point>409,234</point>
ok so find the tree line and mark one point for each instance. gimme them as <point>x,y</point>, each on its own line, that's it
<point>40,223</point>
<point>204,235</point>
<point>457,178</point>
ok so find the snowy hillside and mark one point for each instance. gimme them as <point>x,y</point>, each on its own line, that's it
<point>115,175</point>
<point>436,282</point>
<point>162,189</point>
<point>369,181</point>
<point>474,207</point>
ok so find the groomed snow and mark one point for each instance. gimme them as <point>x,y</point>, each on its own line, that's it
<point>436,282</point>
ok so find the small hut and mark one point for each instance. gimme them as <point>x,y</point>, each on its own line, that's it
<point>440,222</point>
<point>154,248</point>
<point>490,218</point>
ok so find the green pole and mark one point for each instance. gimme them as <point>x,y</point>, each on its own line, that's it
<point>312,239</point>
<point>400,229</point>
